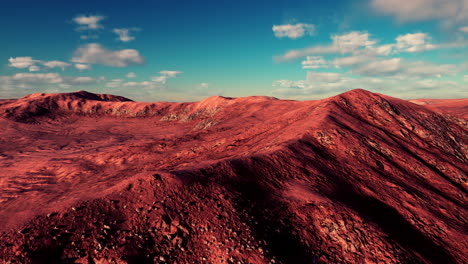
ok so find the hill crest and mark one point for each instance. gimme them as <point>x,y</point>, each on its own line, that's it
<point>355,178</point>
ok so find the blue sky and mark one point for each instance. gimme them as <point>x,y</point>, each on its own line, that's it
<point>171,50</point>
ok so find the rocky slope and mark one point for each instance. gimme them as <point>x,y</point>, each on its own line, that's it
<point>457,107</point>
<point>356,178</point>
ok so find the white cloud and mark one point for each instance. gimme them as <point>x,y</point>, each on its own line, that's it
<point>403,69</point>
<point>144,84</point>
<point>448,11</point>
<point>82,67</point>
<point>119,83</point>
<point>47,78</point>
<point>299,53</point>
<point>93,53</point>
<point>341,44</point>
<point>131,75</point>
<point>351,60</point>
<point>360,44</point>
<point>323,76</point>
<point>293,31</point>
<point>165,75</point>
<point>464,29</point>
<point>170,74</point>
<point>314,62</point>
<point>400,87</point>
<point>302,89</point>
<point>114,83</point>
<point>29,62</point>
<point>88,22</point>
<point>382,50</point>
<point>34,68</point>
<point>161,79</point>
<point>425,69</point>
<point>56,64</point>
<point>352,41</point>
<point>379,67</point>
<point>21,62</point>
<point>414,42</point>
<point>124,34</point>
<point>284,83</point>
<point>37,77</point>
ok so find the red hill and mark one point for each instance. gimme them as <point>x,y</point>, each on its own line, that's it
<point>355,178</point>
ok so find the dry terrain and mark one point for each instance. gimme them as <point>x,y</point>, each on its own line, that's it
<point>355,178</point>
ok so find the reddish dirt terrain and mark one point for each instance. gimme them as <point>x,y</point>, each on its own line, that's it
<point>458,107</point>
<point>355,178</point>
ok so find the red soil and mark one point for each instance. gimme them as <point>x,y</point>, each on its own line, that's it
<point>457,107</point>
<point>355,178</point>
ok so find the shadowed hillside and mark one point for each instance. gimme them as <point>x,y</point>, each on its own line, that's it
<point>355,178</point>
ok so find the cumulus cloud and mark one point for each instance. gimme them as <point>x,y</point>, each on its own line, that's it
<point>88,22</point>
<point>425,69</point>
<point>382,50</point>
<point>114,83</point>
<point>314,62</point>
<point>351,60</point>
<point>161,79</point>
<point>414,42</point>
<point>170,74</point>
<point>299,53</point>
<point>37,78</point>
<point>341,44</point>
<point>315,88</point>
<point>34,68</point>
<point>448,11</point>
<point>323,76</point>
<point>379,67</point>
<point>21,62</point>
<point>360,44</point>
<point>119,83</point>
<point>404,69</point>
<point>56,64</point>
<point>288,83</point>
<point>293,31</point>
<point>131,75</point>
<point>82,67</point>
<point>164,75</point>
<point>26,83</point>
<point>31,64</point>
<point>352,41</point>
<point>301,89</point>
<point>124,34</point>
<point>143,84</point>
<point>94,53</point>
<point>24,79</point>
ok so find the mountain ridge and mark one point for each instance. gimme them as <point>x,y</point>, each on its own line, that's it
<point>28,108</point>
<point>359,177</point>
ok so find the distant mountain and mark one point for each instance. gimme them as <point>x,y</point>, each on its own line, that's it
<point>355,178</point>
